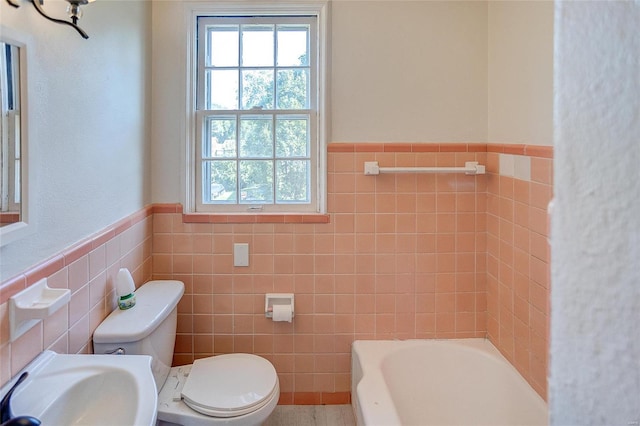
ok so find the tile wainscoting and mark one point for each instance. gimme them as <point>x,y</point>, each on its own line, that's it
<point>397,256</point>
<point>88,269</point>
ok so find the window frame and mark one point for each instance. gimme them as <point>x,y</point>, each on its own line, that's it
<point>196,118</point>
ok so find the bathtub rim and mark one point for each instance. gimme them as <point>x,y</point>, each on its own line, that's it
<point>374,387</point>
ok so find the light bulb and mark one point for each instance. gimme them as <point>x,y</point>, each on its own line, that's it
<point>74,12</point>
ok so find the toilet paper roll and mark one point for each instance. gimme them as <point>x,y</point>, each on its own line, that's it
<point>124,283</point>
<point>282,313</point>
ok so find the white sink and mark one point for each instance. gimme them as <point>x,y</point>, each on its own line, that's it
<point>70,390</point>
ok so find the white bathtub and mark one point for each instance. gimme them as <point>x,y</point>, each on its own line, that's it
<point>439,382</point>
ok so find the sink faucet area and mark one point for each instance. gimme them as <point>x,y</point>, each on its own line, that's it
<point>82,390</point>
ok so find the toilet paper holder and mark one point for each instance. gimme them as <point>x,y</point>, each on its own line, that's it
<point>272,299</point>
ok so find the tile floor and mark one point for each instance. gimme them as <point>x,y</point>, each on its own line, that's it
<point>311,415</point>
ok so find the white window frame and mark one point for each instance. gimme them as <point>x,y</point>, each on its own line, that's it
<point>319,9</point>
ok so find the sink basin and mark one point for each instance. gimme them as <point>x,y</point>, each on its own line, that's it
<point>87,390</point>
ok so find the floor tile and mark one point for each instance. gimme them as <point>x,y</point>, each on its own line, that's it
<point>311,415</point>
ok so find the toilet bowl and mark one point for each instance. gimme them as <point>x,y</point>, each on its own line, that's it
<point>213,391</point>
<point>231,389</point>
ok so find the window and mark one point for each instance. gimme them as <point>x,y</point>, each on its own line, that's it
<point>258,122</point>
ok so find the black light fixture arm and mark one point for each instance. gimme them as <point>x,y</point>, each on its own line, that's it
<point>38,7</point>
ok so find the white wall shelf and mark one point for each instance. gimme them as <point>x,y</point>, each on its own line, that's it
<point>34,304</point>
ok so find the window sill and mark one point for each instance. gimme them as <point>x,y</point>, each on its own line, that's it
<point>254,218</point>
<point>239,217</point>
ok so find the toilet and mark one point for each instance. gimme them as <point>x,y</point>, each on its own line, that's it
<point>231,389</point>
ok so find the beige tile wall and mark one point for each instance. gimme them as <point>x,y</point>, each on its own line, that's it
<point>88,269</point>
<point>402,256</point>
<point>518,261</point>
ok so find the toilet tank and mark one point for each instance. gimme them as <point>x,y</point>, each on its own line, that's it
<point>148,328</point>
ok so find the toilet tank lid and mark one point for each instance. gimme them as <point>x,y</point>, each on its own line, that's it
<point>154,302</point>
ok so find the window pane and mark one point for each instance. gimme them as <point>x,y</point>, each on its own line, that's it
<point>256,136</point>
<point>219,182</point>
<point>223,89</point>
<point>17,175</point>
<point>293,45</point>
<point>293,177</point>
<point>257,89</point>
<point>292,136</point>
<point>256,181</point>
<point>224,44</point>
<point>257,45</point>
<point>220,142</point>
<point>293,89</point>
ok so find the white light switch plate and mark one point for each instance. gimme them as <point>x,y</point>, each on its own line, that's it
<point>241,254</point>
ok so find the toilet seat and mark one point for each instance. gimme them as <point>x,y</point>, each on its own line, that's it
<point>230,385</point>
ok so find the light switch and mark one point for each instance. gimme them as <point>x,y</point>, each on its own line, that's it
<point>241,254</point>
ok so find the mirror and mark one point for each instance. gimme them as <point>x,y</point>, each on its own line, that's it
<point>14,215</point>
<point>10,154</point>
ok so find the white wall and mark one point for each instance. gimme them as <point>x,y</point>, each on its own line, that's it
<point>168,82</point>
<point>595,297</point>
<point>409,71</point>
<point>520,102</point>
<point>88,123</point>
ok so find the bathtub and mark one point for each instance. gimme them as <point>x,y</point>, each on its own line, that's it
<point>439,382</point>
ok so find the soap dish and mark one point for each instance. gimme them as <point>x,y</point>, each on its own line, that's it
<point>34,304</point>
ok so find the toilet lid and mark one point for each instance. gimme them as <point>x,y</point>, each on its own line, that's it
<point>229,385</point>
